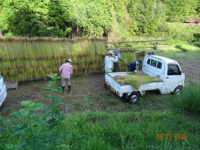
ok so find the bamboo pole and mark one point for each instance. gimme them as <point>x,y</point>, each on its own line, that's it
<point>132,41</point>
<point>129,48</point>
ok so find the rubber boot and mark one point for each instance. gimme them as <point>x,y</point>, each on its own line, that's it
<point>105,85</point>
<point>63,88</point>
<point>69,88</point>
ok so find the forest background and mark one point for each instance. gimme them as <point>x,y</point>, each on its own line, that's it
<point>115,19</point>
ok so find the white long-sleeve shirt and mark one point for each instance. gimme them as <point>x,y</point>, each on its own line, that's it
<point>109,61</point>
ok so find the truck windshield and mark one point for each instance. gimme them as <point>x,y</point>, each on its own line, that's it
<point>173,69</point>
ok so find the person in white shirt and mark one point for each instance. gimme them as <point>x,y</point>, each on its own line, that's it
<point>109,59</point>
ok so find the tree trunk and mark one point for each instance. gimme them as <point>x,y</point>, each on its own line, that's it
<point>77,31</point>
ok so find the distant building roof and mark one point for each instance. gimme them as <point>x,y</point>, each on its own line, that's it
<point>192,21</point>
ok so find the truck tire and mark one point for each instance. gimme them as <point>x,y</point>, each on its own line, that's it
<point>133,97</point>
<point>177,90</point>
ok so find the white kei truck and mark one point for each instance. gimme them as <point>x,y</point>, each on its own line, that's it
<point>3,91</point>
<point>169,71</point>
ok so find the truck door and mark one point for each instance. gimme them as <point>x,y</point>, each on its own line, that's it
<point>173,78</point>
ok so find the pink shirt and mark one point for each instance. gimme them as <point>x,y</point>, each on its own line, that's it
<point>66,70</point>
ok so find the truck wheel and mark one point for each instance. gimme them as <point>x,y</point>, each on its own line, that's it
<point>178,90</point>
<point>133,97</point>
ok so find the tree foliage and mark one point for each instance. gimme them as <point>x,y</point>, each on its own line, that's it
<point>148,15</point>
<point>178,10</point>
<point>70,18</point>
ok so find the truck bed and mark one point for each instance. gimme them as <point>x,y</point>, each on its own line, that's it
<point>121,89</point>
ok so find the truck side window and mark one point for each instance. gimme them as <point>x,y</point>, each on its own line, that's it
<point>153,63</point>
<point>173,70</point>
<point>148,61</point>
<point>159,66</point>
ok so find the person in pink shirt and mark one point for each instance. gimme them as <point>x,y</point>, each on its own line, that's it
<point>66,71</point>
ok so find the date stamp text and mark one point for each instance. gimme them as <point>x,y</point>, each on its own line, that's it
<point>171,136</point>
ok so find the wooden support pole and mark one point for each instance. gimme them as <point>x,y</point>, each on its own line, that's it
<point>129,48</point>
<point>132,41</point>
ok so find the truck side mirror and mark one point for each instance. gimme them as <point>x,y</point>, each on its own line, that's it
<point>180,72</point>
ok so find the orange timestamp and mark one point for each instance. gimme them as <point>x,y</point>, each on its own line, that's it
<point>170,136</point>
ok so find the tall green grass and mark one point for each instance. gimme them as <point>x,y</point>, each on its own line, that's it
<point>189,100</point>
<point>116,131</point>
<point>130,131</point>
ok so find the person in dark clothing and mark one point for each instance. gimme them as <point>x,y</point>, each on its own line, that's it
<point>117,53</point>
<point>134,66</point>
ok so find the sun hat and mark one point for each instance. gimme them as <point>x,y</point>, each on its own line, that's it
<point>110,52</point>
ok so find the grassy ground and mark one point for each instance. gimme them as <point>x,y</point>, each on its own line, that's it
<point>182,52</point>
<point>103,121</point>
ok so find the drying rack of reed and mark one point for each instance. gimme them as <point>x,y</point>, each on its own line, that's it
<point>23,59</point>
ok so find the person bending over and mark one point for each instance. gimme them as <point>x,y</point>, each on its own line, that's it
<point>134,66</point>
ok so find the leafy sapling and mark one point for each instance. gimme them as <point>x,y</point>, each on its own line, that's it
<point>53,115</point>
<point>39,131</point>
<point>31,126</point>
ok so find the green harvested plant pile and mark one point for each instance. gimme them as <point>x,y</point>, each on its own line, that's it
<point>136,79</point>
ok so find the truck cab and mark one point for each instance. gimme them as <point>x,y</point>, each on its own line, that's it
<point>168,70</point>
<point>3,91</point>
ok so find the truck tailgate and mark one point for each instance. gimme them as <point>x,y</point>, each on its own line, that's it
<point>120,89</point>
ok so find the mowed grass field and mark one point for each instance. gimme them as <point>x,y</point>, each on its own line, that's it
<point>101,120</point>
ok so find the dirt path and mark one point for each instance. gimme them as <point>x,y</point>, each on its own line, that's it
<point>82,86</point>
<point>191,68</point>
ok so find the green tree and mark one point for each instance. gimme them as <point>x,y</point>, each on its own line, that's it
<point>35,18</point>
<point>147,16</point>
<point>58,18</point>
<point>25,18</point>
<point>91,17</point>
<point>120,9</point>
<point>179,10</point>
<point>1,5</point>
<point>99,14</point>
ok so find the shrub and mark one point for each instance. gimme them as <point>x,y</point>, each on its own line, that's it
<point>181,48</point>
<point>189,100</point>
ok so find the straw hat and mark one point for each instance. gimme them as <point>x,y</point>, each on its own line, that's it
<point>110,52</point>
